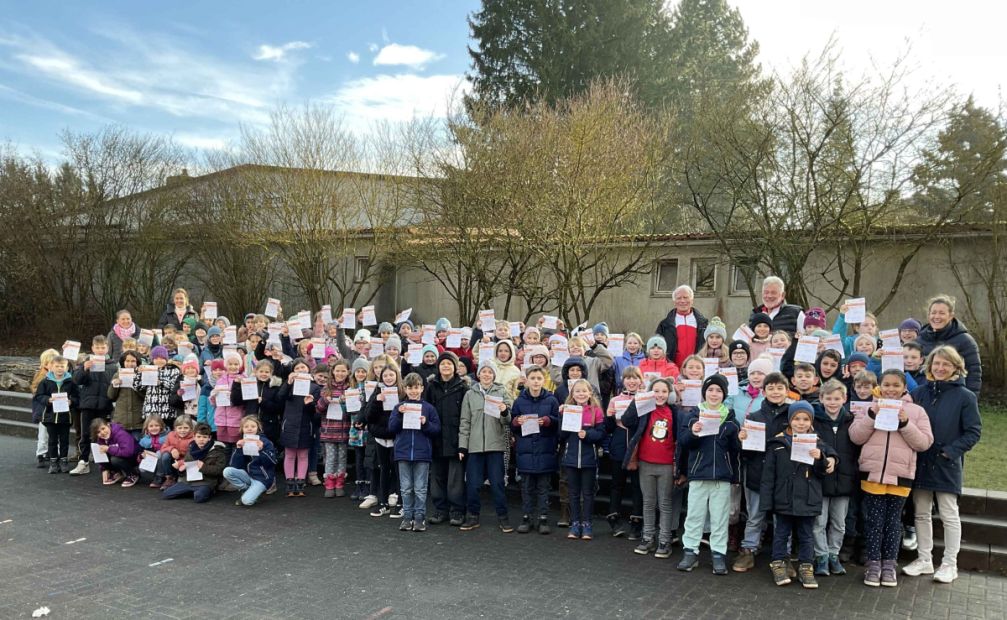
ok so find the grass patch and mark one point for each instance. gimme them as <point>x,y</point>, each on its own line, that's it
<point>984,464</point>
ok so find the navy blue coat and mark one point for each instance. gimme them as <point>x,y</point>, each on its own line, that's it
<point>536,453</point>
<point>955,422</point>
<point>582,453</point>
<point>958,336</point>
<point>411,444</point>
<point>46,388</point>
<point>845,477</point>
<point>789,487</point>
<point>298,418</point>
<point>713,457</point>
<point>261,468</point>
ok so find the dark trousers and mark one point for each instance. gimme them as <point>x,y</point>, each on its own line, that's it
<point>581,483</point>
<point>361,472</point>
<point>117,463</point>
<point>447,486</point>
<point>200,494</point>
<point>382,474</point>
<point>59,440</point>
<point>803,529</point>
<point>535,494</point>
<point>882,525</point>
<point>622,478</point>
<point>87,416</point>
<point>481,466</point>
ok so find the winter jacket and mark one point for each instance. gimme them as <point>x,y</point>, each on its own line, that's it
<point>333,431</point>
<point>623,362</point>
<point>446,397</point>
<point>153,442</point>
<point>582,453</point>
<point>479,432</point>
<point>753,461</point>
<point>666,329</point>
<point>186,407</point>
<point>664,367</point>
<point>209,353</point>
<point>170,318</point>
<point>228,416</point>
<point>213,463</point>
<point>536,453</point>
<point>374,415</point>
<point>415,445</point>
<point>954,420</point>
<point>713,457</point>
<point>840,328</point>
<point>563,379</point>
<point>260,468</point>
<point>507,372</point>
<point>115,342</point>
<point>835,434</point>
<point>120,443</point>
<point>174,442</point>
<point>157,398</point>
<point>743,404</point>
<point>298,417</point>
<point>92,387</point>
<point>270,408</point>
<point>128,407</point>
<point>958,336</point>
<point>785,319</point>
<point>49,386</point>
<point>889,457</point>
<point>620,437</point>
<point>206,409</point>
<point>790,487</point>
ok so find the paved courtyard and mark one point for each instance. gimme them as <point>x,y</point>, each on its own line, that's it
<point>85,551</point>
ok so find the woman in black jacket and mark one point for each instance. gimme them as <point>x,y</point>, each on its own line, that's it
<point>178,311</point>
<point>944,328</point>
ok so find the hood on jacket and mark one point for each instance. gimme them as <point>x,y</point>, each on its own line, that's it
<point>513,353</point>
<point>822,416</point>
<point>570,363</point>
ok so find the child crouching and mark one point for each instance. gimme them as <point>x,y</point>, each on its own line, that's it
<point>120,448</point>
<point>252,475</point>
<point>210,458</point>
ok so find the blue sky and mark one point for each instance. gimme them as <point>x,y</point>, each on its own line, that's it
<point>197,70</point>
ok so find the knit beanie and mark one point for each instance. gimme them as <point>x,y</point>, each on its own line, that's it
<point>858,357</point>
<point>486,364</point>
<point>716,326</point>
<point>190,362</point>
<point>393,343</point>
<point>814,317</point>
<point>214,331</point>
<point>718,380</point>
<point>200,325</point>
<point>446,355</point>
<point>442,325</point>
<point>657,341</point>
<point>159,352</point>
<point>191,322</point>
<point>217,364</point>
<point>427,348</point>
<point>740,345</point>
<point>763,364</point>
<point>226,321</point>
<point>466,333</point>
<point>600,328</point>
<point>360,363</point>
<point>362,334</point>
<point>531,329</point>
<point>801,405</point>
<point>910,323</point>
<point>760,318</point>
<point>385,328</point>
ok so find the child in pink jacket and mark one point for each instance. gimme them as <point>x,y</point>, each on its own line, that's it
<point>888,468</point>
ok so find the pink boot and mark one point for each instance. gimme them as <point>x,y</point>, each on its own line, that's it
<point>330,485</point>
<point>341,484</point>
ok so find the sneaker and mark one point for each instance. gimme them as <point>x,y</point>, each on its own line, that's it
<point>156,483</point>
<point>130,481</point>
<point>43,462</point>
<point>645,547</point>
<point>82,468</point>
<point>909,542</point>
<point>108,479</point>
<point>396,512</point>
<point>227,487</point>
<point>420,525</point>
<point>663,551</point>
<point>574,531</point>
<point>456,520</point>
<point>525,526</point>
<point>379,511</point>
<point>822,566</point>
<point>719,564</point>
<point>504,524</point>
<point>946,574</point>
<point>790,570</point>
<point>586,530</point>
<point>471,522</point>
<point>369,502</point>
<point>689,561</point>
<point>918,567</point>
<point>271,489</point>
<point>889,574</point>
<point>635,529</point>
<point>543,526</point>
<point>744,562</point>
<point>620,529</point>
<point>835,566</point>
<point>393,499</point>
<point>779,568</point>
<point>437,519</point>
<point>406,525</point>
<point>872,577</point>
<point>313,479</point>
<point>807,576</point>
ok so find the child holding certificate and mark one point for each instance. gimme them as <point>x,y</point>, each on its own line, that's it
<point>415,425</point>
<point>535,421</point>
<point>580,438</point>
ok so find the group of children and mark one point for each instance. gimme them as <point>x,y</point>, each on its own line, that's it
<point>748,446</point>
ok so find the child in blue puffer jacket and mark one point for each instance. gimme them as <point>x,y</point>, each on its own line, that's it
<point>414,451</point>
<point>535,419</point>
<point>580,457</point>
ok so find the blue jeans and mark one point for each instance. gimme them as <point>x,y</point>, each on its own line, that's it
<point>164,466</point>
<point>804,531</point>
<point>481,466</point>
<point>252,489</point>
<point>200,494</point>
<point>413,477</point>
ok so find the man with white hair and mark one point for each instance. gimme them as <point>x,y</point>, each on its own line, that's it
<point>786,317</point>
<point>683,328</point>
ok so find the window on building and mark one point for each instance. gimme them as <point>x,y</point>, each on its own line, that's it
<point>741,273</point>
<point>704,276</point>
<point>665,277</point>
<point>361,266</point>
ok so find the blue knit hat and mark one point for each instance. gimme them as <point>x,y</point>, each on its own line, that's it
<point>214,331</point>
<point>442,325</point>
<point>600,328</point>
<point>427,348</point>
<point>858,357</point>
<point>801,405</point>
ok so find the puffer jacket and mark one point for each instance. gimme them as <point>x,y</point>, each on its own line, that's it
<point>92,387</point>
<point>842,481</point>
<point>713,457</point>
<point>582,453</point>
<point>536,453</point>
<point>889,457</point>
<point>333,431</point>
<point>752,461</point>
<point>563,378</point>
<point>49,386</point>
<point>479,432</point>
<point>954,419</point>
<point>410,444</point>
<point>298,417</point>
<point>260,468</point>
<point>958,336</point>
<point>791,487</point>
<point>623,362</point>
<point>446,397</point>
<point>229,416</point>
<point>157,398</point>
<point>120,443</point>
<point>373,414</point>
<point>174,442</point>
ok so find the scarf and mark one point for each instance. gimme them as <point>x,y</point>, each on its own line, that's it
<point>198,454</point>
<point>753,392</point>
<point>124,332</point>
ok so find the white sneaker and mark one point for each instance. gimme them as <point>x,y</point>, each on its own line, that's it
<point>946,574</point>
<point>918,567</point>
<point>369,502</point>
<point>82,468</point>
<point>909,542</point>
<point>393,499</point>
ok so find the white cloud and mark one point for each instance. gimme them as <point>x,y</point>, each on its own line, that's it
<point>394,54</point>
<point>278,53</point>
<point>373,47</point>
<point>196,141</point>
<point>397,98</point>
<point>68,69</point>
<point>353,57</point>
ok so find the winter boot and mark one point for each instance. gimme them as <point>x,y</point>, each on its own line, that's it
<point>872,577</point>
<point>330,485</point>
<point>355,493</point>
<point>635,528</point>
<point>889,577</point>
<point>341,485</point>
<point>290,486</point>
<point>53,466</point>
<point>63,467</point>
<point>299,490</point>
<point>806,574</point>
<point>525,526</point>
